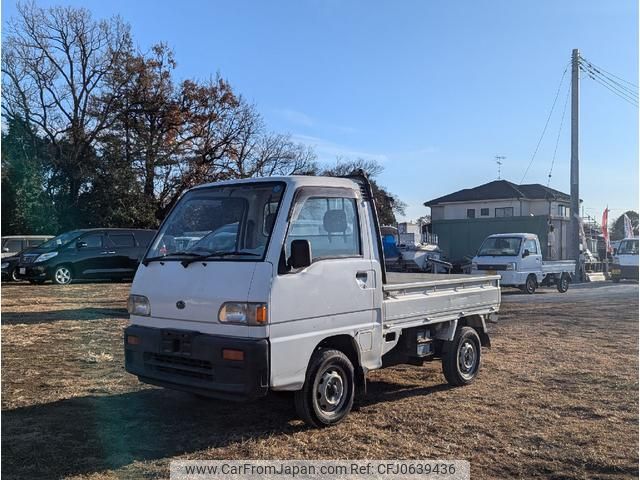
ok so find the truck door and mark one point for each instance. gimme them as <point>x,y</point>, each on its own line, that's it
<point>532,262</point>
<point>334,295</point>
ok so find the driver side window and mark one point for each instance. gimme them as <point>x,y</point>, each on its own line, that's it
<point>330,224</point>
<point>92,241</point>
<point>531,246</point>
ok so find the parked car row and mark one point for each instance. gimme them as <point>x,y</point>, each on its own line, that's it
<point>98,253</point>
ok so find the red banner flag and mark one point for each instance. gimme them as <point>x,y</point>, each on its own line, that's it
<point>605,230</point>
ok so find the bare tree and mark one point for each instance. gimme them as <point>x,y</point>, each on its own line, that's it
<point>55,63</point>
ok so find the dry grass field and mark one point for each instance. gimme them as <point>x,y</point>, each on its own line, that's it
<point>557,397</point>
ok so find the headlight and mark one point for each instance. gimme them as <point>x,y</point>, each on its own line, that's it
<point>139,305</point>
<point>512,266</point>
<point>474,266</point>
<point>4,265</point>
<point>243,313</point>
<point>45,256</point>
<point>616,261</point>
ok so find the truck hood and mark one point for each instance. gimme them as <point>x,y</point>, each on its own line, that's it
<point>201,290</point>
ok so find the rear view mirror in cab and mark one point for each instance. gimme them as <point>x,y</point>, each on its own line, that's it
<point>300,254</point>
<point>81,244</point>
<point>526,253</point>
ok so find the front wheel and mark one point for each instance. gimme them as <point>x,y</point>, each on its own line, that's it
<point>14,275</point>
<point>462,357</point>
<point>531,285</point>
<point>328,391</point>
<point>563,283</point>
<point>62,275</point>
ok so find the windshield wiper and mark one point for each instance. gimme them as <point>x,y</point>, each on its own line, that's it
<point>209,256</point>
<point>159,258</point>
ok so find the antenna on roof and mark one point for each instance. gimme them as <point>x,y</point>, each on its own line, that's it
<point>499,159</point>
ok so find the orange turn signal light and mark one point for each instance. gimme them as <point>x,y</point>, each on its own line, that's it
<point>133,340</point>
<point>261,314</point>
<point>236,355</point>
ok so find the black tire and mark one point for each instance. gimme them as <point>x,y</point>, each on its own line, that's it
<point>563,284</point>
<point>530,285</point>
<point>329,389</point>
<point>62,275</point>
<point>462,357</point>
<point>615,279</point>
<point>13,276</point>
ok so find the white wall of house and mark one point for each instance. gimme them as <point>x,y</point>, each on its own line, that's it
<point>458,210</point>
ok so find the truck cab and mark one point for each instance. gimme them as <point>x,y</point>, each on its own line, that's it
<point>278,284</point>
<point>517,258</point>
<point>625,260</point>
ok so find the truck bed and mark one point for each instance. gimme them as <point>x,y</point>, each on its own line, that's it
<point>422,298</point>
<point>558,266</point>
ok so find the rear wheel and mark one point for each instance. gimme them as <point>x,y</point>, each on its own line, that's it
<point>62,275</point>
<point>531,285</point>
<point>563,283</point>
<point>615,279</point>
<point>461,357</point>
<point>328,392</point>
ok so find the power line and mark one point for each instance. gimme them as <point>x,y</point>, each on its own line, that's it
<point>626,97</point>
<point>544,130</point>
<point>609,73</point>
<point>555,150</point>
<point>633,90</point>
<point>612,83</point>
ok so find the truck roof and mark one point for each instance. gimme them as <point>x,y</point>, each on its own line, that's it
<point>513,235</point>
<point>292,180</point>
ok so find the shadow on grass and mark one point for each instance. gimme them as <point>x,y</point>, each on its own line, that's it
<point>14,318</point>
<point>96,433</point>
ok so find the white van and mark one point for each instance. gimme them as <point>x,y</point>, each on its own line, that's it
<point>282,286</point>
<point>625,260</point>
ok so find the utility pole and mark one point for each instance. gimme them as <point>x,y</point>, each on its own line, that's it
<point>499,159</point>
<point>574,234</point>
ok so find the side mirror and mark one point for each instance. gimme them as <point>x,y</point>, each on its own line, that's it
<point>80,244</point>
<point>526,253</point>
<point>5,249</point>
<point>300,254</point>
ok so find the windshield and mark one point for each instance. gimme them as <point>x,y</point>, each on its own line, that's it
<point>230,221</point>
<point>628,247</point>
<point>500,247</point>
<point>61,239</point>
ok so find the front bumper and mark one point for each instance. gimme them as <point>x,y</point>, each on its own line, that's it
<point>192,362</point>
<point>624,271</point>
<point>32,272</point>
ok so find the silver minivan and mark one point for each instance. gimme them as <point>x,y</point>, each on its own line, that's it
<point>16,243</point>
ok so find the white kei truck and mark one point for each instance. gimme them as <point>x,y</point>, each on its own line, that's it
<point>517,258</point>
<point>278,284</point>
<point>625,260</point>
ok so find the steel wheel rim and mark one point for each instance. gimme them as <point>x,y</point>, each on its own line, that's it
<point>467,359</point>
<point>63,275</point>
<point>331,390</point>
<point>530,284</point>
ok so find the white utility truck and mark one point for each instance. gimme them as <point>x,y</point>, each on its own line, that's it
<point>517,258</point>
<point>286,290</point>
<point>625,260</point>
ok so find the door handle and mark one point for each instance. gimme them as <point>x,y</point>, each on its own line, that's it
<point>361,278</point>
<point>107,253</point>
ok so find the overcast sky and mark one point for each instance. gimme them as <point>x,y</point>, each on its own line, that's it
<point>433,90</point>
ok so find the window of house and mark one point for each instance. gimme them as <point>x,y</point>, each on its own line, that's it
<point>563,210</point>
<point>484,212</point>
<point>471,213</point>
<point>504,212</point>
<point>330,224</point>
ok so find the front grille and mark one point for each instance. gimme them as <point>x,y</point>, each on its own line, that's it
<point>492,267</point>
<point>176,365</point>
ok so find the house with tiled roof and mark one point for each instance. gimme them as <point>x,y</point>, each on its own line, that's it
<point>464,218</point>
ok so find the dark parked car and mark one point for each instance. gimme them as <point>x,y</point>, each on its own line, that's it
<point>9,268</point>
<point>100,253</point>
